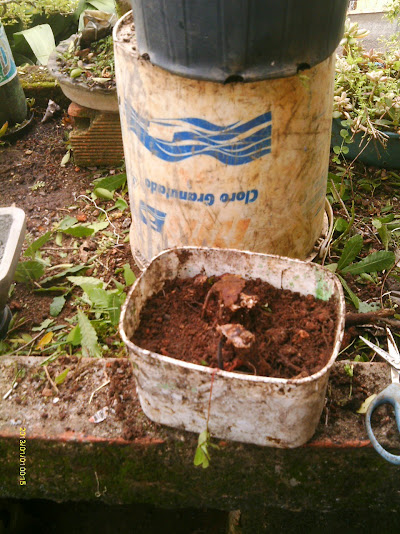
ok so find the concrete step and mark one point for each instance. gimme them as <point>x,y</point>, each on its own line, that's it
<point>126,458</point>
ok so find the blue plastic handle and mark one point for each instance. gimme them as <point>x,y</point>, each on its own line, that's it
<point>390,395</point>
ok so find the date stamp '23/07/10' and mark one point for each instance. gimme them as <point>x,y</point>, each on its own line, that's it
<point>22,456</point>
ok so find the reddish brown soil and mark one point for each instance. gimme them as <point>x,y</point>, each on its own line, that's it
<point>294,334</point>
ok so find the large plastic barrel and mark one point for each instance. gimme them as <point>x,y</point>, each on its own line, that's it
<point>13,107</point>
<point>230,39</point>
<point>242,165</point>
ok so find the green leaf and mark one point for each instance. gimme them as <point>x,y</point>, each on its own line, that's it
<point>74,337</point>
<point>67,222</point>
<point>37,244</point>
<point>39,38</point>
<point>129,275</point>
<point>59,379</point>
<point>79,231</point>
<point>355,300</point>
<point>86,282</point>
<point>102,5</point>
<point>121,204</point>
<point>69,270</point>
<point>52,289</point>
<point>202,456</point>
<point>103,193</point>
<point>75,73</point>
<point>57,305</point>
<point>388,218</point>
<point>97,226</point>
<point>28,271</point>
<point>120,287</point>
<point>349,369</point>
<point>351,250</point>
<point>45,324</point>
<point>111,182</point>
<point>384,235</point>
<point>336,149</point>
<point>90,346</point>
<point>344,133</point>
<point>341,225</point>
<point>377,261</point>
<point>345,150</point>
<point>114,309</point>
<point>98,297</point>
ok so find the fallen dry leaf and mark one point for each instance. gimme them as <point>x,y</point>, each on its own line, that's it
<point>229,288</point>
<point>237,335</point>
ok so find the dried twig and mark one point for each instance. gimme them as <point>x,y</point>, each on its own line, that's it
<point>340,200</point>
<point>378,316</point>
<point>219,353</point>
<point>26,344</point>
<point>97,389</point>
<point>54,387</point>
<point>386,277</point>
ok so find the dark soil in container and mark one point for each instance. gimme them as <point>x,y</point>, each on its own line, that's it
<point>239,325</point>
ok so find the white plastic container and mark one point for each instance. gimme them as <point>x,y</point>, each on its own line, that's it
<point>255,409</point>
<point>12,235</point>
<point>241,165</point>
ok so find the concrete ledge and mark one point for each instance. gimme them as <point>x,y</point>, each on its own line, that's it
<point>128,459</point>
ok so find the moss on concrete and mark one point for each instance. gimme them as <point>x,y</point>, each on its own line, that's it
<point>37,83</point>
<point>240,476</point>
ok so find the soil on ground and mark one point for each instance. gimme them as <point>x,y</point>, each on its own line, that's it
<point>33,178</point>
<point>255,327</point>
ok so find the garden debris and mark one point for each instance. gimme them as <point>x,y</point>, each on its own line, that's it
<point>97,24</point>
<point>229,288</point>
<point>93,66</point>
<point>237,335</point>
<point>55,388</point>
<point>52,108</point>
<point>99,416</point>
<point>98,389</point>
<point>369,317</point>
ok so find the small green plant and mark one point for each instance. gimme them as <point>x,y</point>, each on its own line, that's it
<point>366,95</point>
<point>94,67</point>
<point>15,10</point>
<point>202,454</point>
<point>349,370</point>
<point>372,263</point>
<point>93,306</point>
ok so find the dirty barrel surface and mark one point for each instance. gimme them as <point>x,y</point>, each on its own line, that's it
<point>263,410</point>
<point>242,165</point>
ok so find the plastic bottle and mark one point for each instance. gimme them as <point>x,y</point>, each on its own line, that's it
<point>13,108</point>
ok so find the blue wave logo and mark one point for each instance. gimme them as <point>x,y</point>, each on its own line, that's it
<point>152,217</point>
<point>178,139</point>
